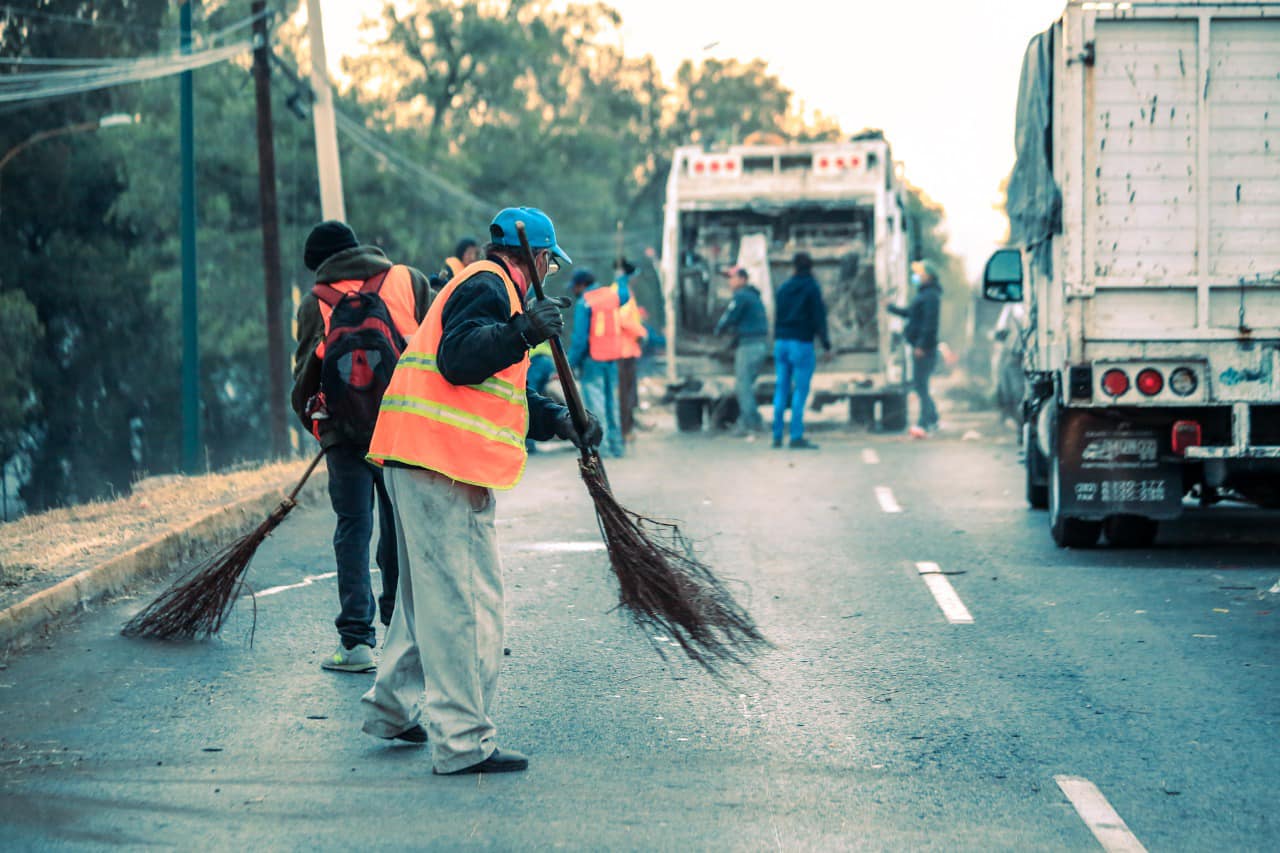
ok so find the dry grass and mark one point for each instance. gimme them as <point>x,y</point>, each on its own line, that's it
<point>40,550</point>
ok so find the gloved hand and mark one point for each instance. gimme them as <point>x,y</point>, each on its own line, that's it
<point>542,319</point>
<point>590,441</point>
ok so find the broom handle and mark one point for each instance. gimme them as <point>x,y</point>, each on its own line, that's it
<point>572,396</point>
<point>306,474</point>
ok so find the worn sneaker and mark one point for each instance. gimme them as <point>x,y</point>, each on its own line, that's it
<point>803,444</point>
<point>359,659</point>
<point>917,432</point>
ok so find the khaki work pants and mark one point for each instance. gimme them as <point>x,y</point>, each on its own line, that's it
<point>446,632</point>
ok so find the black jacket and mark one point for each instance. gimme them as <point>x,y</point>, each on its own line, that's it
<point>479,340</point>
<point>922,315</point>
<point>799,312</point>
<point>360,263</point>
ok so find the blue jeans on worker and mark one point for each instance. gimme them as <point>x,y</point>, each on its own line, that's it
<point>747,359</point>
<point>600,396</point>
<point>795,361</point>
<point>353,483</point>
<point>922,368</point>
<point>541,369</point>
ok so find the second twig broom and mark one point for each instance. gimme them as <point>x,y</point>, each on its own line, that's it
<point>662,584</point>
<point>199,603</point>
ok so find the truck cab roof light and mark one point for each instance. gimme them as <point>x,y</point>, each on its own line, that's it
<point>1115,382</point>
<point>1150,381</point>
<point>1183,381</point>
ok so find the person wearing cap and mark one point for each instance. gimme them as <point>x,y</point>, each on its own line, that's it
<point>921,332</point>
<point>800,316</point>
<point>745,317</point>
<point>631,326</point>
<point>451,431</point>
<point>595,349</point>
<point>338,259</point>
<point>464,254</point>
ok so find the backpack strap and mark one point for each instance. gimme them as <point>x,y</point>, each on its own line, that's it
<point>374,284</point>
<point>330,296</point>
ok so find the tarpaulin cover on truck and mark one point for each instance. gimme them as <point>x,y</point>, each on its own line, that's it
<point>1034,202</point>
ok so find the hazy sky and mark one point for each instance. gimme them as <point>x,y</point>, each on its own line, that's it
<point>938,76</point>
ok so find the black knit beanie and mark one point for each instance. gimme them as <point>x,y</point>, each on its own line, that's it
<point>326,240</point>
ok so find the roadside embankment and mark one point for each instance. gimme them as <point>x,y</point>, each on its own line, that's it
<point>55,564</point>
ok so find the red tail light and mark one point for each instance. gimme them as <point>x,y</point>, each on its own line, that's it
<point>1115,382</point>
<point>1185,434</point>
<point>1150,382</point>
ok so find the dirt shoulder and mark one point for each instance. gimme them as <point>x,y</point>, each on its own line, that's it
<point>38,551</point>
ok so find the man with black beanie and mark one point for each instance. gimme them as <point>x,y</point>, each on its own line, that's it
<point>338,260</point>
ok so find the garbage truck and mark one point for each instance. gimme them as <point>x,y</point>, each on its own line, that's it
<point>1144,208</point>
<point>756,205</point>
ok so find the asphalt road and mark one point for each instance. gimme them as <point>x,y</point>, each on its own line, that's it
<point>878,722</point>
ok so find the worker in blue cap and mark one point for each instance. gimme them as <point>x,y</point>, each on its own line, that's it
<point>451,430</point>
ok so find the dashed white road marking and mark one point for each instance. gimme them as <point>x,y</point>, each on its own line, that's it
<point>570,547</point>
<point>870,457</point>
<point>307,581</point>
<point>888,503</point>
<point>1107,826</point>
<point>945,594</point>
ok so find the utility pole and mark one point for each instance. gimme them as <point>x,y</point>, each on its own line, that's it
<point>191,455</point>
<point>270,230</point>
<point>327,163</point>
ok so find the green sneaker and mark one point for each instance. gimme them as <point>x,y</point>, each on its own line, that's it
<point>359,659</point>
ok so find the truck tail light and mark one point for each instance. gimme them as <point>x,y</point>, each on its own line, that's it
<point>1150,381</point>
<point>1183,381</point>
<point>1115,382</point>
<point>1185,434</point>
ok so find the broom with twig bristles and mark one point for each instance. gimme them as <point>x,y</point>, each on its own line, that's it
<point>662,584</point>
<point>199,603</point>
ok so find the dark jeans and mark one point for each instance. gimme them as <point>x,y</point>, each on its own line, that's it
<point>541,369</point>
<point>353,482</point>
<point>922,367</point>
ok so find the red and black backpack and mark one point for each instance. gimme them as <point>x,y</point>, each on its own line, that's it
<point>361,349</point>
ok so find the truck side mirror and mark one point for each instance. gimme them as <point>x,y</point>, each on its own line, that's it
<point>1002,278</point>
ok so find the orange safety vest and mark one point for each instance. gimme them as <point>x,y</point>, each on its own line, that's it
<point>470,433</point>
<point>396,293</point>
<point>633,330</point>
<point>455,265</point>
<point>605,335</point>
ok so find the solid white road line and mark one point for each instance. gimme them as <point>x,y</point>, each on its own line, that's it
<point>870,457</point>
<point>307,581</point>
<point>570,547</point>
<point>945,594</point>
<point>888,503</point>
<point>1107,826</point>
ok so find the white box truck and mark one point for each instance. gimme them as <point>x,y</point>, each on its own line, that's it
<point>1145,210</point>
<point>756,205</point>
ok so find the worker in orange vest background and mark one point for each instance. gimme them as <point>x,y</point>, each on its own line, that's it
<point>343,266</point>
<point>595,349</point>
<point>451,430</point>
<point>467,252</point>
<point>633,335</point>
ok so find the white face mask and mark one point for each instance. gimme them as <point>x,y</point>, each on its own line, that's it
<point>915,278</point>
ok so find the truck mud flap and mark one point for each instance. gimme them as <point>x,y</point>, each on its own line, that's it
<point>1109,467</point>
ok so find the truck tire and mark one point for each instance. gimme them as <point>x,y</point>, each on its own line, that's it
<point>1131,531</point>
<point>862,410</point>
<point>689,414</point>
<point>1068,531</point>
<point>1036,468</point>
<point>893,413</point>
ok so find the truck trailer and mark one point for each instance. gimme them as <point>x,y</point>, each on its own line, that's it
<point>755,206</point>
<point>1145,214</point>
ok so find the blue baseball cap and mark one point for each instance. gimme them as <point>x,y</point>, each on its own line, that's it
<point>537,227</point>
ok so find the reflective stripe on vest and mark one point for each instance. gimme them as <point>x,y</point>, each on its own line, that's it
<point>605,335</point>
<point>470,433</point>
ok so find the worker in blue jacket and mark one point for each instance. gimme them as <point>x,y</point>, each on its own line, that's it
<point>800,316</point>
<point>745,317</point>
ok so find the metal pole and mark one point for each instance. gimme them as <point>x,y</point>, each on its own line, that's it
<point>190,317</point>
<point>270,232</point>
<point>327,163</point>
